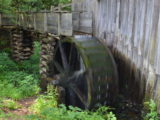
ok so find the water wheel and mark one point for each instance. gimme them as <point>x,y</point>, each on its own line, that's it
<point>86,70</point>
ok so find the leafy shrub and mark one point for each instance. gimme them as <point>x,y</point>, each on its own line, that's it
<point>46,108</point>
<point>19,80</point>
<point>11,104</point>
<point>45,101</point>
<point>6,64</point>
<point>71,113</point>
<point>9,91</point>
<point>151,109</point>
<point>18,85</point>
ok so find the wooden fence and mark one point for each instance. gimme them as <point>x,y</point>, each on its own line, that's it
<point>58,23</point>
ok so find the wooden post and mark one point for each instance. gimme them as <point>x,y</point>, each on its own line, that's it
<point>0,19</point>
<point>45,22</point>
<point>59,23</point>
<point>52,9</point>
<point>34,21</point>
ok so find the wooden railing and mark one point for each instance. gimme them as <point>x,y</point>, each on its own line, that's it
<point>56,21</point>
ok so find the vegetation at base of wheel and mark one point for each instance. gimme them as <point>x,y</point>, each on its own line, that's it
<point>150,111</point>
<point>46,107</point>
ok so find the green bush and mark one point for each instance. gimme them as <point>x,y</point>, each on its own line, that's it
<point>46,108</point>
<point>71,113</point>
<point>45,101</point>
<point>10,104</point>
<point>19,80</point>
<point>6,64</point>
<point>151,111</point>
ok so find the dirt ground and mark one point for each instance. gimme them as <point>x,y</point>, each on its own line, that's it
<point>23,110</point>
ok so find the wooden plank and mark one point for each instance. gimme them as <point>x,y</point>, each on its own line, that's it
<point>39,20</point>
<point>52,23</point>
<point>76,20</point>
<point>66,24</point>
<point>141,27</point>
<point>85,22</point>
<point>26,21</point>
<point>23,20</point>
<point>157,60</point>
<point>8,19</point>
<point>31,20</point>
<point>154,39</point>
<point>20,19</point>
<point>0,19</point>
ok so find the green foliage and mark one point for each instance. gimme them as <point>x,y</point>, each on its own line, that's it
<point>10,104</point>
<point>18,81</point>
<point>6,64</point>
<point>4,116</point>
<point>10,116</point>
<point>45,101</point>
<point>5,6</point>
<point>8,6</point>
<point>151,109</point>
<point>71,113</point>
<point>104,111</point>
<point>46,108</point>
<point>26,5</point>
<point>3,43</point>
<point>57,2</point>
<point>35,5</point>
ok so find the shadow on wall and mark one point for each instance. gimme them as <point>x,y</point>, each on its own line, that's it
<point>131,80</point>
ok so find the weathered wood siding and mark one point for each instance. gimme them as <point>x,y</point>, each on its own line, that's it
<point>66,24</point>
<point>52,23</point>
<point>132,29</point>
<point>82,22</point>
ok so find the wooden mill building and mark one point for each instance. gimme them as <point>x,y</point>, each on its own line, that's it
<point>131,28</point>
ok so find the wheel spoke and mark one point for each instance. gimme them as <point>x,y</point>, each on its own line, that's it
<point>80,95</point>
<point>63,56</point>
<point>70,55</point>
<point>58,66</point>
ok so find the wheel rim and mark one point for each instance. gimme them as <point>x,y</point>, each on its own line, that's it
<point>89,86</point>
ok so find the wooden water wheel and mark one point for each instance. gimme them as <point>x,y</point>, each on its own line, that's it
<point>86,70</point>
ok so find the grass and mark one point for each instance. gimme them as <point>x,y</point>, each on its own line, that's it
<point>17,81</point>
<point>10,104</point>
<point>46,108</point>
<point>45,101</point>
